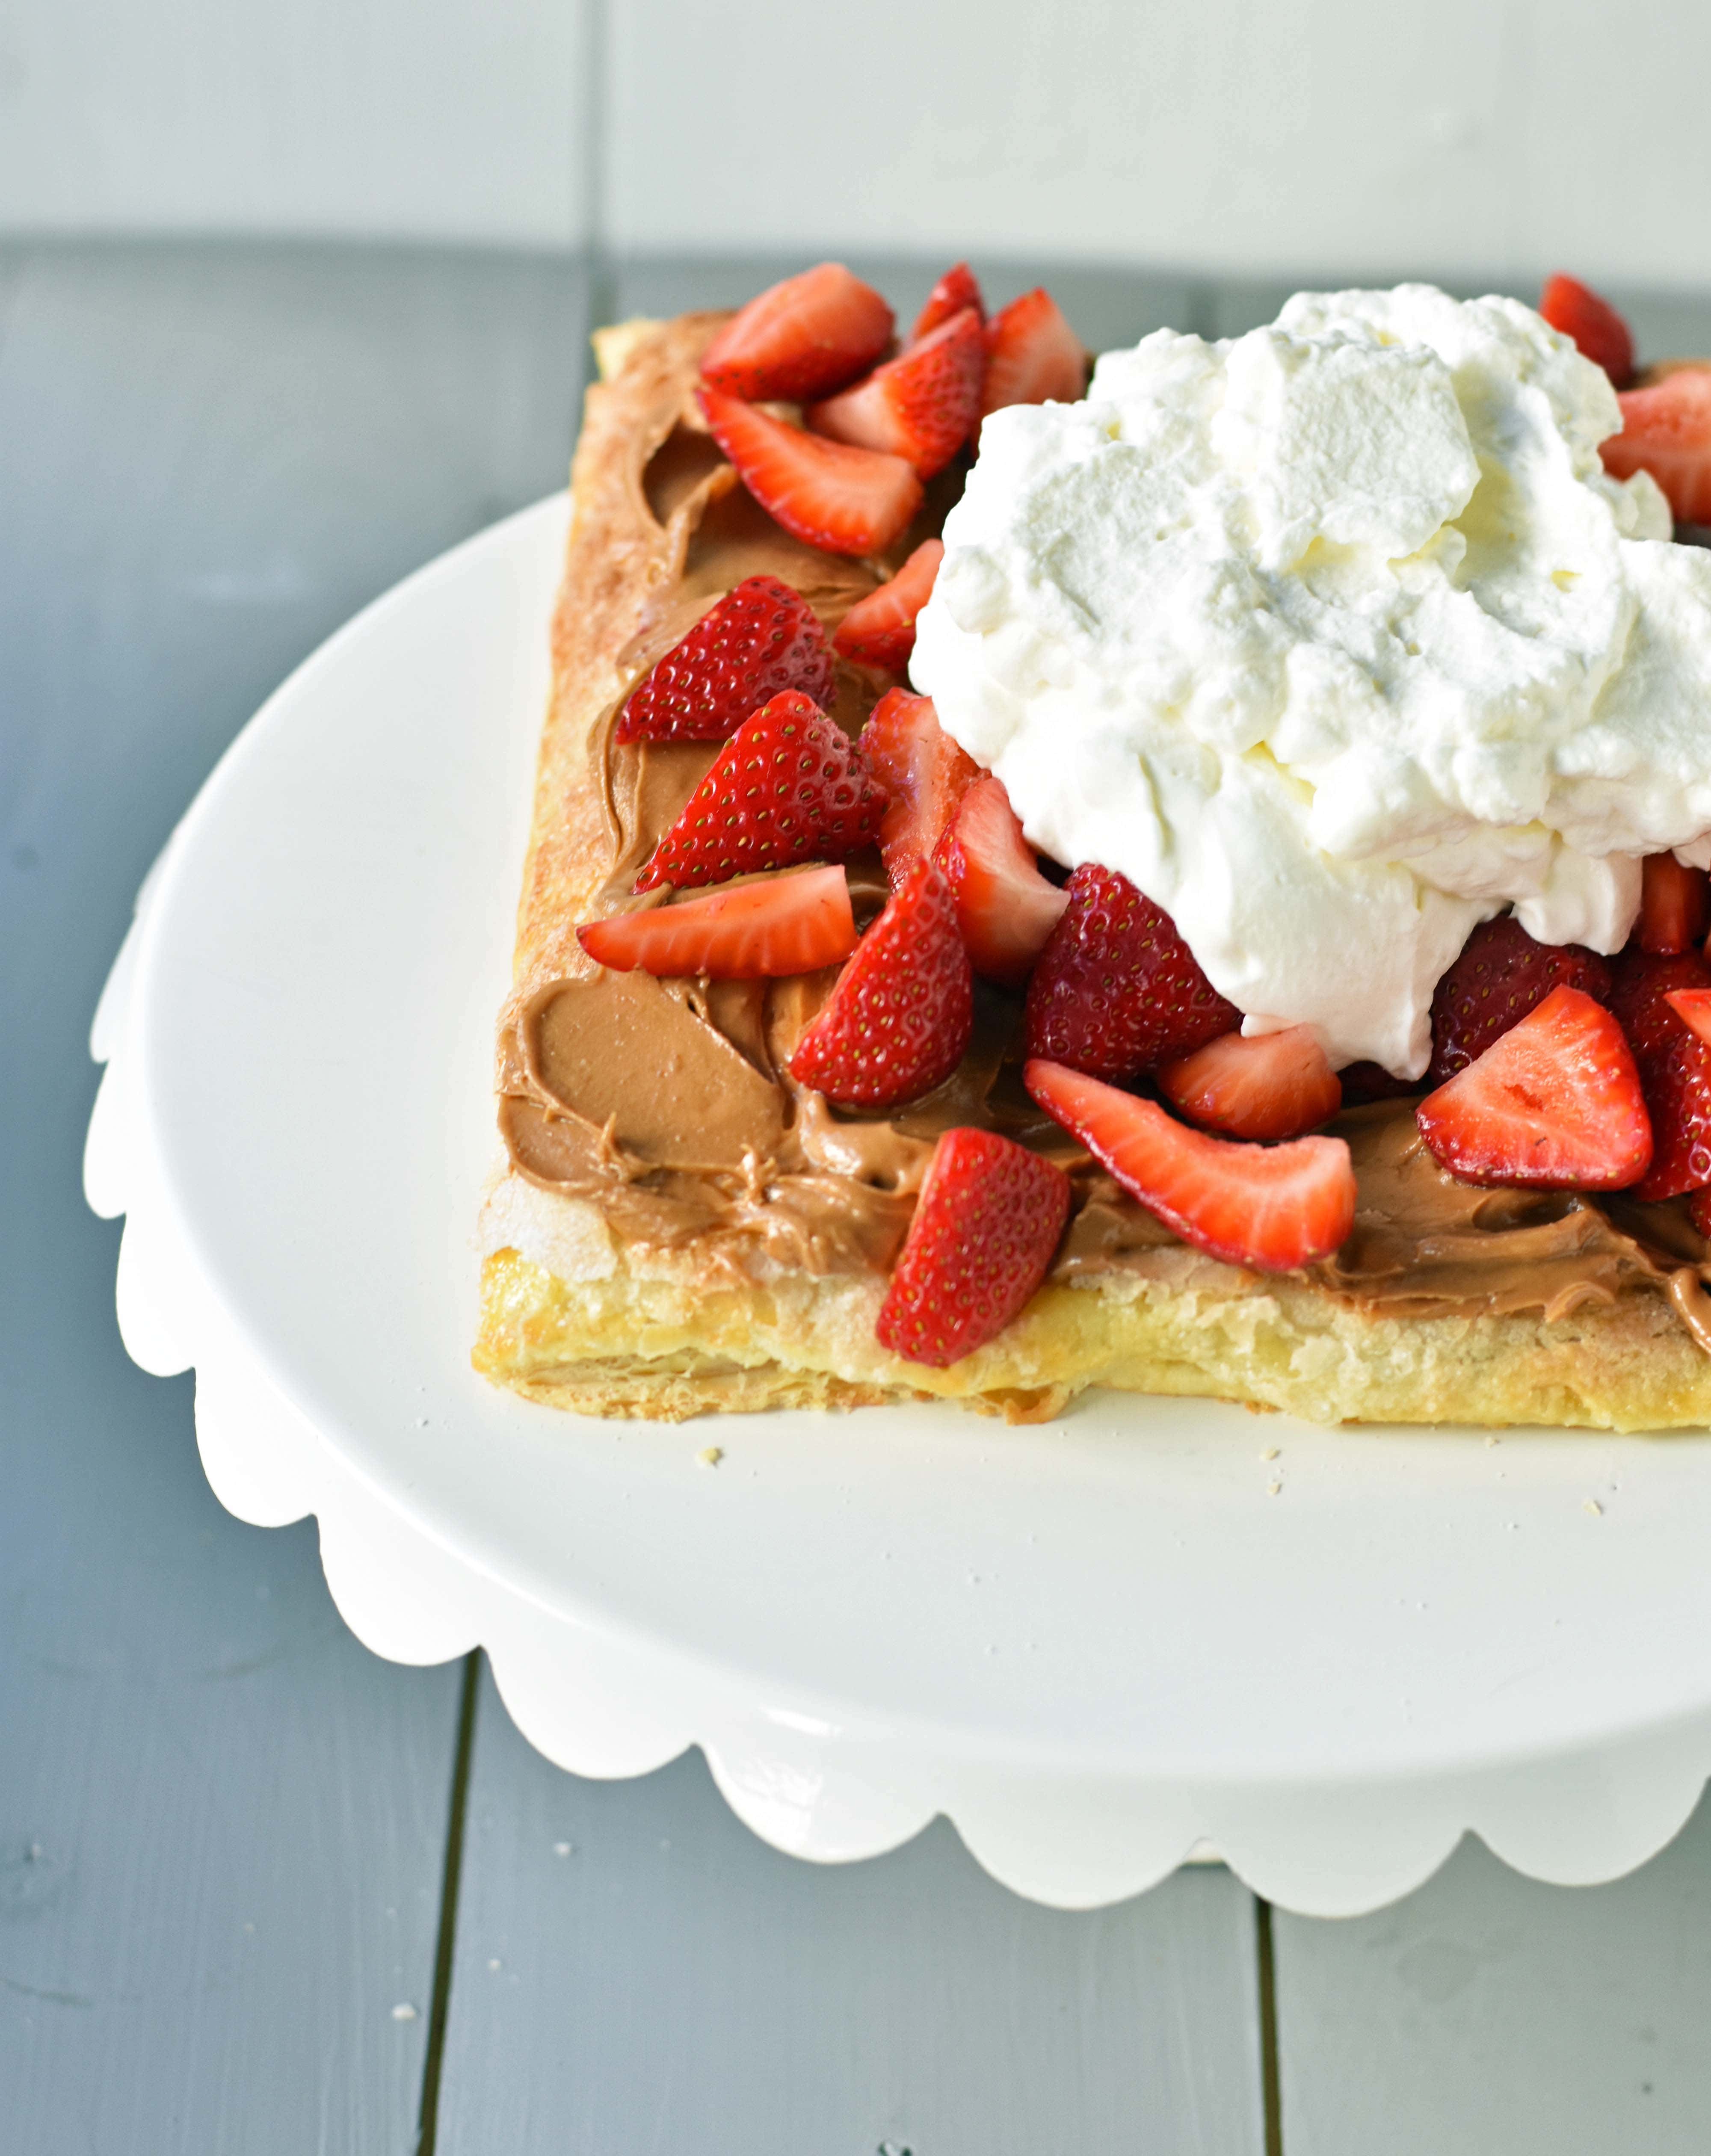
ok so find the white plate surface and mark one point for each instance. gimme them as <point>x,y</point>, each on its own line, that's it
<point>1095,1643</point>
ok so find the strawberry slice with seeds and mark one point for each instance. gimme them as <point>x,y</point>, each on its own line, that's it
<point>956,290</point>
<point>898,1021</point>
<point>1274,1208</point>
<point>1577,311</point>
<point>1675,905</point>
<point>1553,1104</point>
<point>789,786</point>
<point>847,500</point>
<point>1033,356</point>
<point>920,405</point>
<point>1692,1007</point>
<point>923,770</point>
<point>1500,976</point>
<point>1006,910</point>
<point>880,629</point>
<point>1674,1066</point>
<point>1270,1085</point>
<point>986,1225</point>
<point>762,930</point>
<point>1117,991</point>
<point>760,639</point>
<point>803,337</point>
<point>1666,431</point>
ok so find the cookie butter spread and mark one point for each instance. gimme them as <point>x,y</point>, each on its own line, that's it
<point>1336,639</point>
<point>666,1105</point>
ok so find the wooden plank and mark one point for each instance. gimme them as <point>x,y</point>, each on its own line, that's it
<point>222,1822</point>
<point>635,1971</point>
<point>1494,2016</point>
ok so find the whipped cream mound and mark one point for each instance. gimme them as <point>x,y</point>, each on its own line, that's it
<point>1336,639</point>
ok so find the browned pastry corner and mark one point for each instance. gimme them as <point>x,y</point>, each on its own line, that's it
<point>681,1229</point>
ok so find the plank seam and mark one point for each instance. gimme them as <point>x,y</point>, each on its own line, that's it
<point>427,2122</point>
<point>1271,2080</point>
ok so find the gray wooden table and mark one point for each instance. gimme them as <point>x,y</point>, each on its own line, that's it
<point>262,1893</point>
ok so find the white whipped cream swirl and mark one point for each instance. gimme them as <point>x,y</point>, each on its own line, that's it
<point>1336,639</point>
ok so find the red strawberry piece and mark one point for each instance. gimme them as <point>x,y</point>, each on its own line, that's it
<point>790,924</point>
<point>1675,905</point>
<point>1674,1065</point>
<point>920,405</point>
<point>1006,910</point>
<point>846,501</point>
<point>923,770</point>
<point>1501,975</point>
<point>800,338</point>
<point>1699,1210</point>
<point>1371,1081</point>
<point>880,629</point>
<point>1553,1104</point>
<point>898,1021</point>
<point>1032,356</point>
<point>986,1225</point>
<point>1666,431</point>
<point>1692,1007</point>
<point>1274,1208</point>
<point>1274,1086</point>
<point>1117,990</point>
<point>1603,337</point>
<point>956,290</point>
<point>762,638</point>
<point>789,786</point>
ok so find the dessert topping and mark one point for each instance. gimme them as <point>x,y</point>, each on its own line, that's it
<point>789,786</point>
<point>898,1021</point>
<point>1501,975</point>
<point>956,290</point>
<point>762,638</point>
<point>1666,432</point>
<point>922,769</point>
<point>1006,910</point>
<point>775,926</point>
<point>803,337</point>
<point>1675,905</point>
<point>920,405</point>
<point>848,500</point>
<point>1274,1208</point>
<point>986,1226</point>
<point>1263,1086</point>
<point>1674,1065</point>
<point>1597,329</point>
<point>1032,355</point>
<point>1553,1104</point>
<point>880,629</point>
<point>1117,990</point>
<point>1335,639</point>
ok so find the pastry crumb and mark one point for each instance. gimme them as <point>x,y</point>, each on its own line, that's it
<point>561,1849</point>
<point>1274,1488</point>
<point>1272,1452</point>
<point>404,2011</point>
<point>709,1456</point>
<point>1592,1505</point>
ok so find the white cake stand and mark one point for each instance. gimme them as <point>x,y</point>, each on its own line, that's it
<point>1098,1644</point>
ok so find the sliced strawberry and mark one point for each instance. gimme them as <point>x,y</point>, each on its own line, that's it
<point>1371,1081</point>
<point>986,1225</point>
<point>922,769</point>
<point>920,405</point>
<point>1274,1086</point>
<point>1577,311</point>
<point>1032,356</point>
<point>1666,431</point>
<point>1006,910</point>
<point>1117,990</point>
<point>1699,1210</point>
<point>956,290</point>
<point>789,786</point>
<point>800,338</point>
<point>1674,1065</point>
<point>789,924</point>
<point>762,638</point>
<point>1555,1104</point>
<point>880,629</point>
<point>898,1021</point>
<point>847,500</point>
<point>1274,1208</point>
<point>1675,905</point>
<point>1692,1007</point>
<point>1501,975</point>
